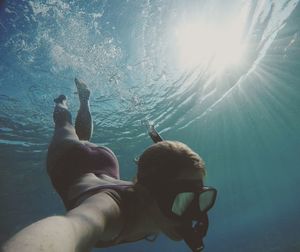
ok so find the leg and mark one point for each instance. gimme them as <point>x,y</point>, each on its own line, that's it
<point>83,123</point>
<point>62,117</point>
<point>64,134</point>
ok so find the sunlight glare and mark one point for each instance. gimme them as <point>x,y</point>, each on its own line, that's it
<point>220,45</point>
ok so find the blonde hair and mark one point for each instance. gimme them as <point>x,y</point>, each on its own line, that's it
<point>167,160</point>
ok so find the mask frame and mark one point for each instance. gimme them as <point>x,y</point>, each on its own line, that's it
<point>165,193</point>
<point>194,221</point>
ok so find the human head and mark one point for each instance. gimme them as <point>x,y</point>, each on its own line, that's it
<point>169,160</point>
<point>173,173</point>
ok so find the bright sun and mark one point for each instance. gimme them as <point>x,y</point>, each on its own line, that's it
<point>219,45</point>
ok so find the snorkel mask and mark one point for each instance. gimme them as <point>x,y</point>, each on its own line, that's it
<point>185,201</point>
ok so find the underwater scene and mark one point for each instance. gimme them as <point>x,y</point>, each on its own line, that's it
<point>220,76</point>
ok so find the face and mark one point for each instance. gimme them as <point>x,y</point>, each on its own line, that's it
<point>167,225</point>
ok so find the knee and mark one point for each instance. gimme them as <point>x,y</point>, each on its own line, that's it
<point>61,143</point>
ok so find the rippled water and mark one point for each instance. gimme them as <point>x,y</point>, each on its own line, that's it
<point>161,61</point>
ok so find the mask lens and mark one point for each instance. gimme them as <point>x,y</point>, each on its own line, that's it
<point>181,202</point>
<point>206,200</point>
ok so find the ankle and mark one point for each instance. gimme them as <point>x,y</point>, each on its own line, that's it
<point>84,104</point>
<point>61,115</point>
<point>84,96</point>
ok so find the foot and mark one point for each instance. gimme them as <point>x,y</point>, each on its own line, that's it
<point>61,101</point>
<point>61,114</point>
<point>82,90</point>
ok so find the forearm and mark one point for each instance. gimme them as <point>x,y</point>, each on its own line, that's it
<point>97,218</point>
<point>51,234</point>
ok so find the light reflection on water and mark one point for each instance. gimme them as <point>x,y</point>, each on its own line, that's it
<point>134,68</point>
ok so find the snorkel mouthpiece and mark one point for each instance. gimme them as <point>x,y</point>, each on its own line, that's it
<point>193,235</point>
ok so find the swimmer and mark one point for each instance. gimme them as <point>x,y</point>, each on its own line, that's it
<point>102,210</point>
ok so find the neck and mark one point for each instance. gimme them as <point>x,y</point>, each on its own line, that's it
<point>141,215</point>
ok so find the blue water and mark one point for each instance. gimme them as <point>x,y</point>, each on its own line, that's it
<point>243,118</point>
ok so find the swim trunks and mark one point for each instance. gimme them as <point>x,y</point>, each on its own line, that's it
<point>83,171</point>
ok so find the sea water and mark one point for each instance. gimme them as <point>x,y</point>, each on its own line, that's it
<point>221,76</point>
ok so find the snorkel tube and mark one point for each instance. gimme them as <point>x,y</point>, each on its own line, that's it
<point>191,233</point>
<point>152,132</point>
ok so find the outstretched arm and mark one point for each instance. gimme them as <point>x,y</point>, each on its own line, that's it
<point>51,234</point>
<point>97,218</point>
